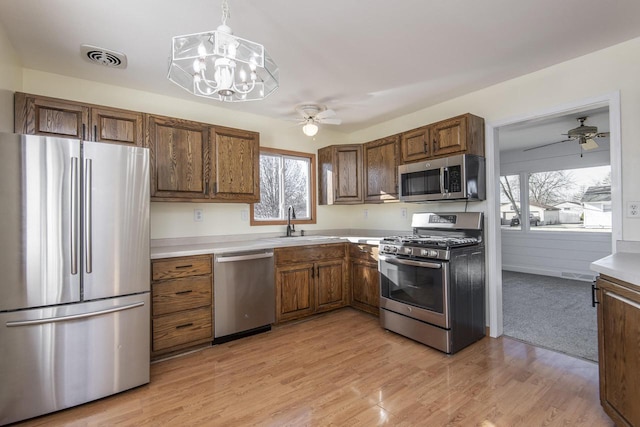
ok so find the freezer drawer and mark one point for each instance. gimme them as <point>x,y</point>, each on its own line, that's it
<point>58,357</point>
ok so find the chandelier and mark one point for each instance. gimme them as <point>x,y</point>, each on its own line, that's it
<point>218,65</point>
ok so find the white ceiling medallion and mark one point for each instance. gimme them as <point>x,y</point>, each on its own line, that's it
<point>102,56</point>
<point>218,65</point>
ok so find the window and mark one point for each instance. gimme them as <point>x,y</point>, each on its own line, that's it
<point>286,179</point>
<point>510,201</point>
<point>564,200</point>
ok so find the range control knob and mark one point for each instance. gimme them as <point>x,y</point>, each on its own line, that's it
<point>407,251</point>
<point>431,253</point>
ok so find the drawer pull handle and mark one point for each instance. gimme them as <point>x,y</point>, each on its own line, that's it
<point>183,292</point>
<point>184,266</point>
<point>186,325</point>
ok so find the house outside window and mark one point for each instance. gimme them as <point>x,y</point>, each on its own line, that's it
<point>286,180</point>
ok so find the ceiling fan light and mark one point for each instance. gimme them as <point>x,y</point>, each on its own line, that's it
<point>310,129</point>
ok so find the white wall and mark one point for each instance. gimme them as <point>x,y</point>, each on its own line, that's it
<point>606,71</point>
<point>10,81</point>
<point>554,254</point>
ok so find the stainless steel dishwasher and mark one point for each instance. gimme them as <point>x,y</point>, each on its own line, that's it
<point>244,294</point>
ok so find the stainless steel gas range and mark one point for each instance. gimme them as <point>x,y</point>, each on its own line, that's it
<point>432,286</point>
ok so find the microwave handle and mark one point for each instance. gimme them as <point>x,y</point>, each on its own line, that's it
<point>443,188</point>
<point>446,180</point>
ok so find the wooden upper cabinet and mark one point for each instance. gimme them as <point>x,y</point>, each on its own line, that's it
<point>235,165</point>
<point>39,115</point>
<point>340,175</point>
<point>36,115</point>
<point>458,135</point>
<point>414,145</point>
<point>381,159</point>
<point>180,158</point>
<point>117,126</point>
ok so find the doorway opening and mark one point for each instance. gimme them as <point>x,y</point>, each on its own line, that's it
<point>548,236</point>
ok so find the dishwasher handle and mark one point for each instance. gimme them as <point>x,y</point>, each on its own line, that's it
<point>235,258</point>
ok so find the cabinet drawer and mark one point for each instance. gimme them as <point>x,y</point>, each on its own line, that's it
<point>172,268</point>
<point>365,252</point>
<point>174,295</point>
<point>298,254</point>
<point>181,328</point>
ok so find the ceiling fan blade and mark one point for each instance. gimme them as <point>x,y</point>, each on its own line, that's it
<point>601,135</point>
<point>589,144</point>
<point>546,145</point>
<point>325,114</point>
<point>330,121</point>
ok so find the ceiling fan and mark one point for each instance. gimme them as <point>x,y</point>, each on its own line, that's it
<point>313,114</point>
<point>585,135</point>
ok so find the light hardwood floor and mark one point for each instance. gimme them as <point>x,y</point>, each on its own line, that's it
<point>342,369</point>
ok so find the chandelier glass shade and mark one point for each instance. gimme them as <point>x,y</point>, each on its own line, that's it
<point>218,65</point>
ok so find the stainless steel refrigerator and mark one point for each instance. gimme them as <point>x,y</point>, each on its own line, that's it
<point>74,272</point>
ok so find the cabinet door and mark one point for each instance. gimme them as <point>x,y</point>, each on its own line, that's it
<point>236,165</point>
<point>449,136</point>
<point>348,174</point>
<point>365,293</point>
<point>331,291</point>
<point>619,352</point>
<point>116,126</point>
<point>45,116</point>
<point>180,165</point>
<point>294,293</point>
<point>381,159</point>
<point>414,145</point>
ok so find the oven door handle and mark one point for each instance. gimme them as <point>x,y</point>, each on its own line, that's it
<point>395,260</point>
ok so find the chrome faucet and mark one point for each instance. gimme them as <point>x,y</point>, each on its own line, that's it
<point>291,228</point>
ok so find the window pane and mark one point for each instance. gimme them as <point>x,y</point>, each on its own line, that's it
<point>269,206</point>
<point>296,185</point>
<point>510,201</point>
<point>571,200</point>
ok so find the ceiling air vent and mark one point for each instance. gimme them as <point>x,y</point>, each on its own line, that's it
<point>106,57</point>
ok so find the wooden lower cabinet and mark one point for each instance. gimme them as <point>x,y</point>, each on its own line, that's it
<point>619,350</point>
<point>181,304</point>
<point>294,297</point>
<point>310,279</point>
<point>364,280</point>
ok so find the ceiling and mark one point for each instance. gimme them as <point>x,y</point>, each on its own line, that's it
<point>369,61</point>
<point>534,133</point>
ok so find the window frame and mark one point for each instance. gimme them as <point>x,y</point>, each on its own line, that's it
<point>312,190</point>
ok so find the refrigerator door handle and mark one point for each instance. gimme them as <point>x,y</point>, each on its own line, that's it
<point>88,229</point>
<point>73,316</point>
<point>74,215</point>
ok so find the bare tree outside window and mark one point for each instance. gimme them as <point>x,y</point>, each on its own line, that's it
<point>284,182</point>
<point>552,187</point>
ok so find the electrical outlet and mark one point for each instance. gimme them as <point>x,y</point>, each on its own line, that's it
<point>633,209</point>
<point>365,213</point>
<point>198,215</point>
<point>244,215</point>
<point>403,213</point>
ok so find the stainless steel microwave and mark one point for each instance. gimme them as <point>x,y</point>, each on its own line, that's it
<point>459,177</point>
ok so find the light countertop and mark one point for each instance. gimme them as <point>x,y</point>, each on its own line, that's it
<point>621,265</point>
<point>185,248</point>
